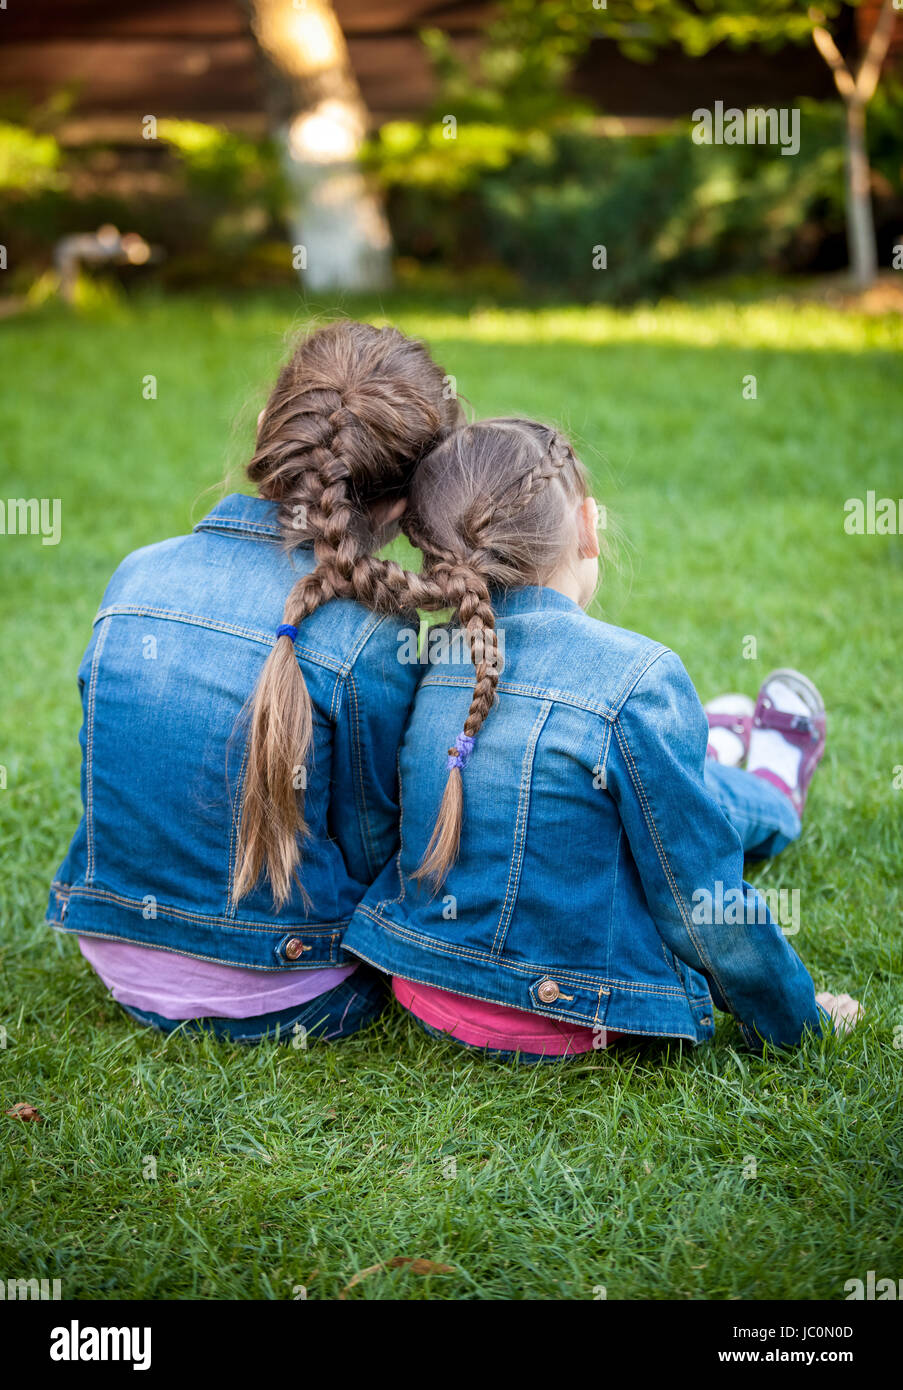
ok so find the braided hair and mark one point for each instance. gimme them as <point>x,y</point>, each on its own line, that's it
<point>351,414</point>
<point>356,415</point>
<point>489,508</point>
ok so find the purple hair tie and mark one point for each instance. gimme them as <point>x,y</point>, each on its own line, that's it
<point>287,630</point>
<point>459,755</point>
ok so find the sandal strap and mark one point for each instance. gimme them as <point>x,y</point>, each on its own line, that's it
<point>799,729</point>
<point>739,724</point>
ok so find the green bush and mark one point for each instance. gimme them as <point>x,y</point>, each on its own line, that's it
<point>29,162</point>
<point>210,201</point>
<point>666,210</point>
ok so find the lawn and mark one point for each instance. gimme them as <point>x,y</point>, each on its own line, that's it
<point>185,1168</point>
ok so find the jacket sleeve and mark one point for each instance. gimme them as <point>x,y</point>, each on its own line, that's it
<point>690,862</point>
<point>376,698</point>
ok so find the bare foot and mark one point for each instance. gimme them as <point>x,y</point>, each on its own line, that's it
<point>844,1010</point>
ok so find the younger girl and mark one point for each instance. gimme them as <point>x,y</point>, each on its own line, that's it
<point>219,860</point>
<point>572,869</point>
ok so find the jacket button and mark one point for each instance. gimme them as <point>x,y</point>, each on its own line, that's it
<point>548,991</point>
<point>294,948</point>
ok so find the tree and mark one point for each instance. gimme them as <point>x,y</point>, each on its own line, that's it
<point>546,38</point>
<point>770,23</point>
<point>337,222</point>
<point>857,90</point>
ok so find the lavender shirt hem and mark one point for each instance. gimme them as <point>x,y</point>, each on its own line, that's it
<point>180,987</point>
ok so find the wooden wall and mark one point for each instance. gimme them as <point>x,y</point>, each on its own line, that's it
<point>196,59</point>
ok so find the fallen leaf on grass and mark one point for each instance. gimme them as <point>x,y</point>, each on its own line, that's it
<point>416,1266</point>
<point>23,1111</point>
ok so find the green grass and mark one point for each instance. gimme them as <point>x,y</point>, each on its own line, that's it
<point>278,1167</point>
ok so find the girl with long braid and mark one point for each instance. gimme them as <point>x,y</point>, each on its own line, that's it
<point>242,716</point>
<point>572,869</point>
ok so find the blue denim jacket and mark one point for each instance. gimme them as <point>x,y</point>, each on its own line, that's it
<point>587,831</point>
<point>183,630</point>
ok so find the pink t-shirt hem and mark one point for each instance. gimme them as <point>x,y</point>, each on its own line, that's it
<point>482,1024</point>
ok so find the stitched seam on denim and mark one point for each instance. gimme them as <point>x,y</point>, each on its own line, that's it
<point>609,710</point>
<point>614,893</point>
<point>180,951</point>
<point>89,751</point>
<point>670,963</point>
<point>374,621</point>
<point>520,831</point>
<point>663,858</point>
<point>542,692</point>
<point>468,994</point>
<point>602,764</point>
<point>360,795</point>
<point>602,760</point>
<point>472,953</point>
<point>402,885</point>
<point>282,928</point>
<point>254,530</point>
<point>564,1016</point>
<point>265,639</point>
<point>335,703</point>
<point>370,627</point>
<point>635,674</point>
<point>235,830</point>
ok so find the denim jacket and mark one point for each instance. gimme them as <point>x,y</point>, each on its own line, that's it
<point>587,830</point>
<point>182,633</point>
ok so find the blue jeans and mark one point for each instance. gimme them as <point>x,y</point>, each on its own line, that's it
<point>337,1013</point>
<point>764,818</point>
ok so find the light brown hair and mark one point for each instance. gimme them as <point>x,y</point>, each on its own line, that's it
<point>491,508</point>
<point>350,416</point>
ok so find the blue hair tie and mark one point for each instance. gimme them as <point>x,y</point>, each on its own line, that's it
<point>287,630</point>
<point>459,755</point>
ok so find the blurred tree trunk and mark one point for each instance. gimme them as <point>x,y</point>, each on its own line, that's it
<point>857,91</point>
<point>337,222</point>
<point>862,251</point>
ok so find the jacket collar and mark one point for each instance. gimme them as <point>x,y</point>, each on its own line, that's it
<point>240,514</point>
<point>531,598</point>
<point>254,516</point>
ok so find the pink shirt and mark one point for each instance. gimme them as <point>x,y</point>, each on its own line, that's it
<point>496,1025</point>
<point>179,987</point>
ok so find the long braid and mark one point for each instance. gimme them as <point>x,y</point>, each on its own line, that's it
<point>350,415</point>
<point>281,730</point>
<point>468,511</point>
<point>279,743</point>
<point>458,584</point>
<point>475,612</point>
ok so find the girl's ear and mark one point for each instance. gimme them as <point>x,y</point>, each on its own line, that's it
<point>385,513</point>
<point>587,529</point>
